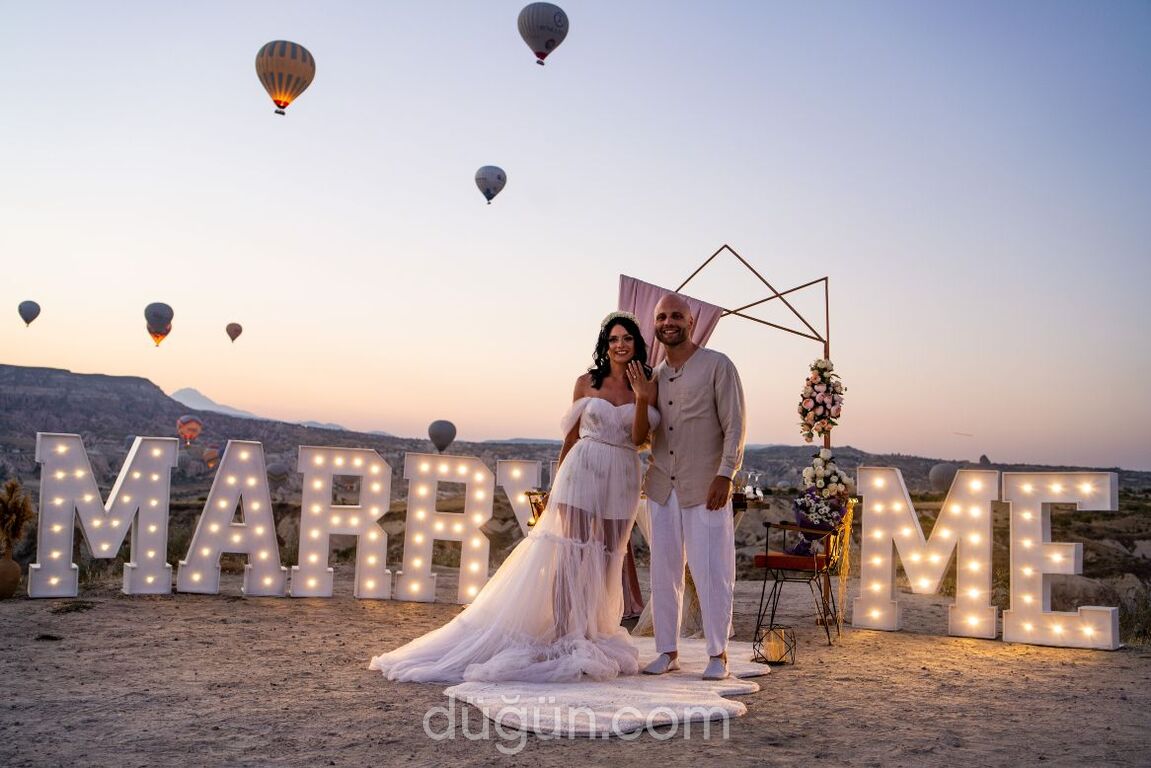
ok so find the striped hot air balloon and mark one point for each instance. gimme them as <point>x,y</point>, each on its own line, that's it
<point>543,27</point>
<point>286,69</point>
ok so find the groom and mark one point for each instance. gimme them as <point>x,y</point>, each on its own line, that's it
<point>696,450</point>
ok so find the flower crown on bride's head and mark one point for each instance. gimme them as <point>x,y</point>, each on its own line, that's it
<point>618,315</point>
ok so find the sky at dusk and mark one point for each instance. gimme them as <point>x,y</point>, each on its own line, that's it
<point>973,178</point>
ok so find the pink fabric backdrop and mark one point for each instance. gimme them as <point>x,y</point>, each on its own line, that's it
<point>640,298</point>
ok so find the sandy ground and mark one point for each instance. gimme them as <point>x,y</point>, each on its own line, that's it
<point>223,680</point>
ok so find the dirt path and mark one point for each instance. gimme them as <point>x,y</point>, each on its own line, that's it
<point>219,680</point>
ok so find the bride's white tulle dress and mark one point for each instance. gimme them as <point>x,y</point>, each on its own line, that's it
<point>551,613</point>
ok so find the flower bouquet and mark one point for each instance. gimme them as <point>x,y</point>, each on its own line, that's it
<point>824,501</point>
<point>821,401</point>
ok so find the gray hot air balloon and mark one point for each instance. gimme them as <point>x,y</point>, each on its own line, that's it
<point>277,475</point>
<point>159,316</point>
<point>940,477</point>
<point>29,311</point>
<point>234,330</point>
<point>442,434</point>
<point>491,179</point>
<point>543,27</point>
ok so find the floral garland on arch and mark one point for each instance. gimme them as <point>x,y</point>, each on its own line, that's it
<point>821,401</point>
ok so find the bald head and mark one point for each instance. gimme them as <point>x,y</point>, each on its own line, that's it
<point>672,302</point>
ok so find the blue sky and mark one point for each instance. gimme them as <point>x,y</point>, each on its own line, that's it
<point>973,178</point>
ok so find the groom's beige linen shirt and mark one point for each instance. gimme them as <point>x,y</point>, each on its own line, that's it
<point>701,429</point>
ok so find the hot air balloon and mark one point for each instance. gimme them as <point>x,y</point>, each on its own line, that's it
<point>277,475</point>
<point>189,427</point>
<point>941,475</point>
<point>234,330</point>
<point>491,179</point>
<point>442,434</point>
<point>286,69</point>
<point>29,311</point>
<point>159,316</point>
<point>543,27</point>
<point>211,455</point>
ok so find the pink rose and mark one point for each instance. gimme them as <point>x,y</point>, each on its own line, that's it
<point>835,411</point>
<point>808,404</point>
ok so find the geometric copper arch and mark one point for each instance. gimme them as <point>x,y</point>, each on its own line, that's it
<point>812,333</point>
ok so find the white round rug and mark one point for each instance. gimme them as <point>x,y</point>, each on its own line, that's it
<point>624,705</point>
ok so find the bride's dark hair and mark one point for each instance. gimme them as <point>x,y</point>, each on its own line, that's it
<point>602,366</point>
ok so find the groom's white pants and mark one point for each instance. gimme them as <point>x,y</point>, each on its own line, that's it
<point>707,537</point>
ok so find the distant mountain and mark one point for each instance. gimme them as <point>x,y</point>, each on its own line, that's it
<point>201,402</point>
<point>107,411</point>
<point>323,425</point>
<point>198,400</point>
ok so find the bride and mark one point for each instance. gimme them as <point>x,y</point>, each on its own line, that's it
<point>552,611</point>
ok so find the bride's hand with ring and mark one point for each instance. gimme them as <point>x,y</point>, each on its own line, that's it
<point>643,387</point>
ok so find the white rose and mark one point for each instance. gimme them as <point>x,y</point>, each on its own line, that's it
<point>825,453</point>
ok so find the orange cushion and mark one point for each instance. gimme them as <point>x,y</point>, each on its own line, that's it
<point>782,561</point>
